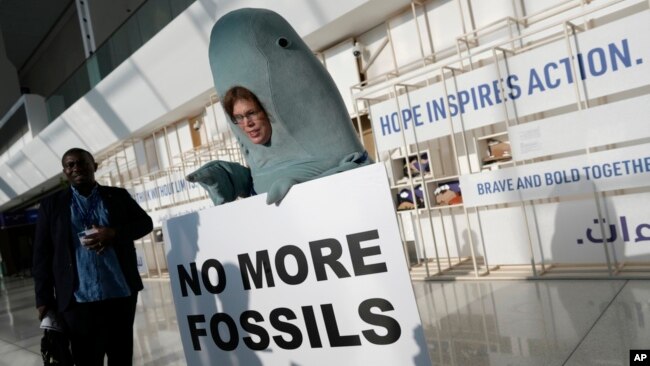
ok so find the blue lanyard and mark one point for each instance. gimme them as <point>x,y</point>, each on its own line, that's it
<point>86,215</point>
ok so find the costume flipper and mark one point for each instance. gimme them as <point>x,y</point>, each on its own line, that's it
<point>224,180</point>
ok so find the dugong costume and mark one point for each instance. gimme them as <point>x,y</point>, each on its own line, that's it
<point>312,135</point>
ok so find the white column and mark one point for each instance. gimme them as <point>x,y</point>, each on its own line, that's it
<point>85,23</point>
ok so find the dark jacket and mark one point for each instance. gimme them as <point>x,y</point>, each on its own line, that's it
<point>55,270</point>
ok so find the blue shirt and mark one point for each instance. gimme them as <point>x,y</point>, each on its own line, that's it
<point>100,275</point>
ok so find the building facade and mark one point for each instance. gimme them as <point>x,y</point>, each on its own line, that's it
<point>494,121</point>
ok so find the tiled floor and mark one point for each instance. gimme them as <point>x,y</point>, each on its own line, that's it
<point>541,322</point>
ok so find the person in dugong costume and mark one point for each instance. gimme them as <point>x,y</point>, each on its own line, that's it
<point>311,135</point>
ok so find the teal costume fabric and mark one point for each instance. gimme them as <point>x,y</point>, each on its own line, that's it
<point>312,135</point>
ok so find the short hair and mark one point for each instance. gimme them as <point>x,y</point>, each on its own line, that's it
<point>238,93</point>
<point>77,150</point>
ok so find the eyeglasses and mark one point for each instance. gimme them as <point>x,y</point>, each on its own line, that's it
<point>251,115</point>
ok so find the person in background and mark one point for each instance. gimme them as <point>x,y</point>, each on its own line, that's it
<point>85,266</point>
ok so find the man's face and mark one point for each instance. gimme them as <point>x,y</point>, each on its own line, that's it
<point>252,120</point>
<point>79,169</point>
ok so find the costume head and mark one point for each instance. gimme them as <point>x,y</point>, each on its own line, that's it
<point>312,134</point>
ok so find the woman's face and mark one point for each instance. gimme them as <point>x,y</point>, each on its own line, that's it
<point>252,120</point>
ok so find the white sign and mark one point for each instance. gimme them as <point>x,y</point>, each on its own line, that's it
<point>570,231</point>
<point>598,126</point>
<point>622,168</point>
<point>320,279</point>
<point>608,59</point>
<point>166,190</point>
